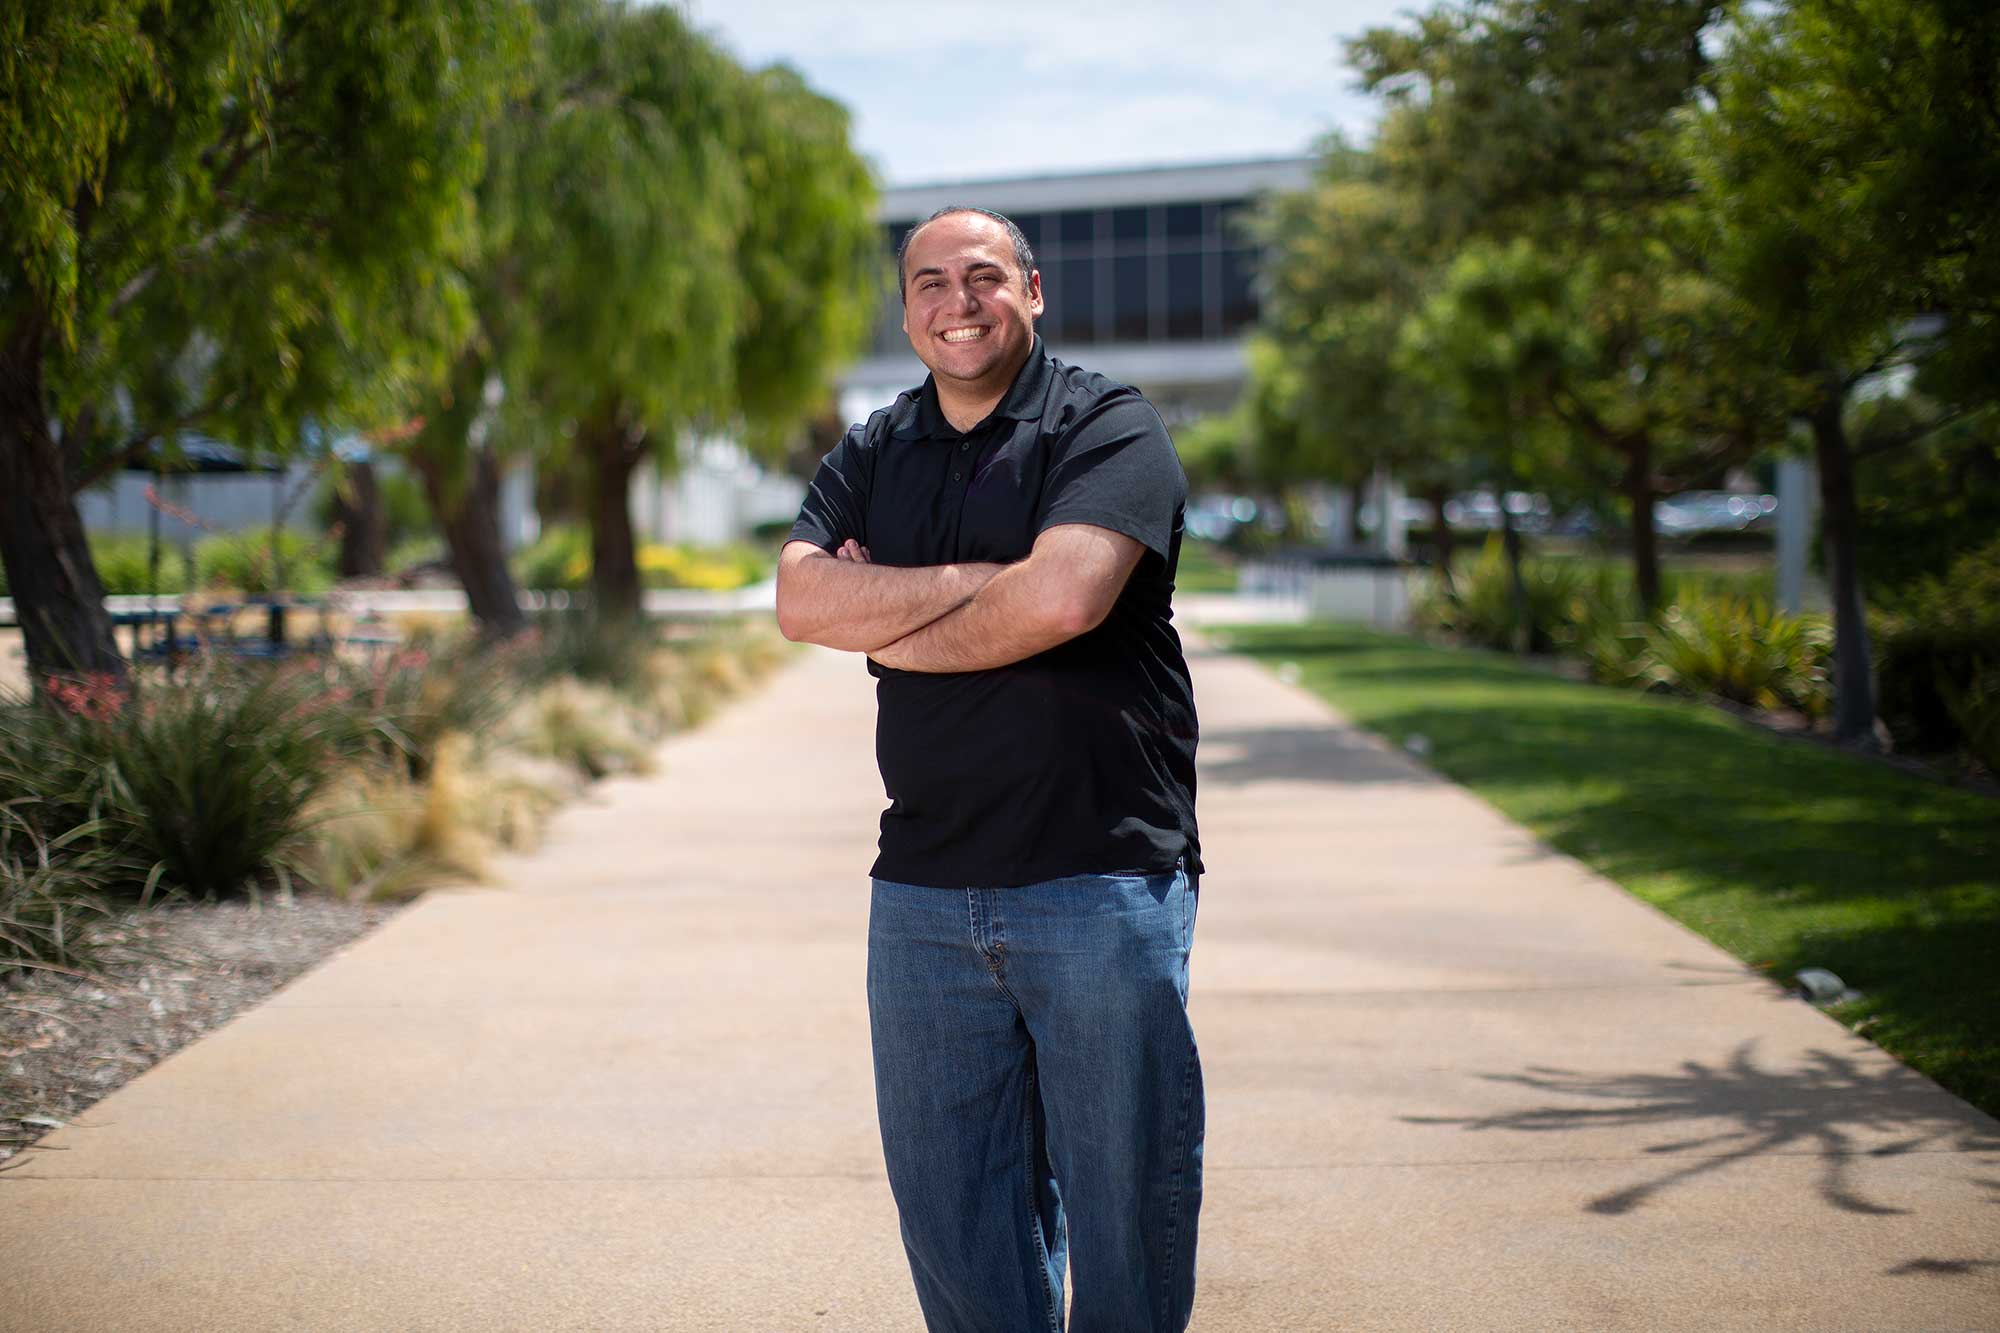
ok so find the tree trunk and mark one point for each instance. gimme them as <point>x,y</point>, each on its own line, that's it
<point>1853,672</point>
<point>612,450</point>
<point>1439,497</point>
<point>1517,583</point>
<point>58,599</point>
<point>364,524</point>
<point>469,515</point>
<point>1639,494</point>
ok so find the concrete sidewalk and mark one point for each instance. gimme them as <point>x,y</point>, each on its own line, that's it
<point>1454,1081</point>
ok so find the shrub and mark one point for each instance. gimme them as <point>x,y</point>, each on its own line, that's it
<point>199,785</point>
<point>51,890</point>
<point>245,561</point>
<point>1740,649</point>
<point>401,704</point>
<point>721,568</point>
<point>124,564</point>
<point>558,559</point>
<point>1480,605</point>
<point>1938,659</point>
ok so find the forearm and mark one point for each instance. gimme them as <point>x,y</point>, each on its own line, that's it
<point>860,607</point>
<point>1007,620</point>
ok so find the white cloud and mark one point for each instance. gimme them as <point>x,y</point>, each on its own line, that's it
<point>1040,85</point>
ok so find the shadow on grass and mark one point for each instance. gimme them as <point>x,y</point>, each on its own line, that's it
<point>1823,1109</point>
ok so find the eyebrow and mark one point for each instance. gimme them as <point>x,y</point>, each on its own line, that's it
<point>929,269</point>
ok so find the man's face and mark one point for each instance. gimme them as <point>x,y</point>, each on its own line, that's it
<point>967,311</point>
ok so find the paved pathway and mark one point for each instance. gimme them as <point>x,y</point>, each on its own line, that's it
<point>1454,1082</point>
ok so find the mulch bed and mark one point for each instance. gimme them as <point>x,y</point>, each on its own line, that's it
<point>170,973</point>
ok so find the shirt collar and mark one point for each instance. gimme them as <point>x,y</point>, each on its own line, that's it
<point>1022,401</point>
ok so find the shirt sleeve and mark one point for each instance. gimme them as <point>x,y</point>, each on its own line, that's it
<point>836,503</point>
<point>1117,469</point>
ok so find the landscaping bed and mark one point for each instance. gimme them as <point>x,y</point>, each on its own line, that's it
<point>170,973</point>
<point>175,848</point>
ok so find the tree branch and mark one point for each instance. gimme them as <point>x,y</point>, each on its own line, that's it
<point>1903,439</point>
<point>133,447</point>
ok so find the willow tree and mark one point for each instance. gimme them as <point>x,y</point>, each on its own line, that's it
<point>230,217</point>
<point>670,242</point>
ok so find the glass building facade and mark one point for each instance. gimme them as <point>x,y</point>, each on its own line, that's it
<point>1148,275</point>
<point>1171,272</point>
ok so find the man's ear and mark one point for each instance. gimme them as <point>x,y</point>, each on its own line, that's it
<point>1035,293</point>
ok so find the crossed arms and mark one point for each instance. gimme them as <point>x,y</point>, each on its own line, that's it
<point>970,617</point>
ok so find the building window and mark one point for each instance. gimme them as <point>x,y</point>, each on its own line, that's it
<point>1175,271</point>
<point>1184,298</point>
<point>1075,320</point>
<point>1239,298</point>
<point>1130,310</point>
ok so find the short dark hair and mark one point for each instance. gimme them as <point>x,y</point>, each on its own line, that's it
<point>1024,254</point>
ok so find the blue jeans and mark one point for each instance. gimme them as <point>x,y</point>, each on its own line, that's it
<point>1040,1098</point>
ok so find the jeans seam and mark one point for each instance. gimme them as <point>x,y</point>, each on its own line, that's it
<point>1030,1098</point>
<point>1167,1273</point>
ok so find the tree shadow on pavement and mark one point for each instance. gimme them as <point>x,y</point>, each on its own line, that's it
<point>1830,1108</point>
<point>1334,756</point>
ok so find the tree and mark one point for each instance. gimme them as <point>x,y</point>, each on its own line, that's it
<point>1847,170</point>
<point>669,241</point>
<point>1352,258</point>
<point>1548,122</point>
<point>221,217</point>
<point>1485,344</point>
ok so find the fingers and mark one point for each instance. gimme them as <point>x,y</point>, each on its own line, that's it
<point>852,550</point>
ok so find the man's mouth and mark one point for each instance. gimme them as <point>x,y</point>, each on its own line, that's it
<point>963,335</point>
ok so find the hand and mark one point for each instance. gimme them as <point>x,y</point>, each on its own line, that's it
<point>853,551</point>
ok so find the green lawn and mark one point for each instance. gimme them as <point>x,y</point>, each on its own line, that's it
<point>1204,567</point>
<point>1784,853</point>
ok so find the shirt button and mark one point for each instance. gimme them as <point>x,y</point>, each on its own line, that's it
<point>956,475</point>
<point>963,447</point>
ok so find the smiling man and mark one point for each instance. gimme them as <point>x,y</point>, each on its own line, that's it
<point>1001,542</point>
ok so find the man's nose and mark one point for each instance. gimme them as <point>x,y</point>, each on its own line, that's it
<point>968,299</point>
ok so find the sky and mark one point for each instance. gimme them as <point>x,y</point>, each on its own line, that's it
<point>951,92</point>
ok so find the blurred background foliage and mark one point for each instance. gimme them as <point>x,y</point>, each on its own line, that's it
<point>1607,253</point>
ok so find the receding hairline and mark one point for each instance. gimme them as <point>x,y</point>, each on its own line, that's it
<point>1024,255</point>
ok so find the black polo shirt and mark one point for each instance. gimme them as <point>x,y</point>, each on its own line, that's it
<point>1080,759</point>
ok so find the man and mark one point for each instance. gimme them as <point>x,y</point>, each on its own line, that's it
<point>1001,543</point>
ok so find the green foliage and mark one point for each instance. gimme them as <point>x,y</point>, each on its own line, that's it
<point>1741,650</point>
<point>405,510</point>
<point>1939,665</point>
<point>124,565</point>
<point>253,563</point>
<point>400,706</point>
<point>1713,638</point>
<point>1923,507</point>
<point>808,251</point>
<point>1848,168</point>
<point>1480,607</point>
<point>559,559</point>
<point>235,215</point>
<point>51,887</point>
<point>201,785</point>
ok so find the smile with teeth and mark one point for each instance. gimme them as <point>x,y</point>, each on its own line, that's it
<point>962,335</point>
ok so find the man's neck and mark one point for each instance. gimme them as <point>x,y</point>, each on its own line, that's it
<point>966,405</point>
<point>965,413</point>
